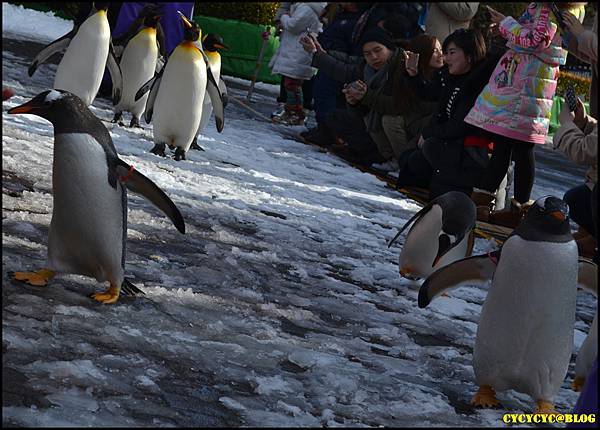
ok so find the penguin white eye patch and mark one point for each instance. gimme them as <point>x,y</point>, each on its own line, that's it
<point>53,95</point>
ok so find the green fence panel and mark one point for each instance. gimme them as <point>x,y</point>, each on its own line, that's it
<point>244,41</point>
<point>556,108</point>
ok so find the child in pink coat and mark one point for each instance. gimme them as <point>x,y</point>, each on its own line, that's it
<point>514,108</point>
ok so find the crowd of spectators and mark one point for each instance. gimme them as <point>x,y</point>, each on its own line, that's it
<point>415,91</point>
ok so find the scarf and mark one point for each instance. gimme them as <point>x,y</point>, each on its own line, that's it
<point>375,80</point>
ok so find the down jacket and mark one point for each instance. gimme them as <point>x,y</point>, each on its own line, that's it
<point>517,101</point>
<point>291,59</point>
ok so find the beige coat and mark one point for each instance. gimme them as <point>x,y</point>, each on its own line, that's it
<point>446,17</point>
<point>585,46</point>
<point>581,146</point>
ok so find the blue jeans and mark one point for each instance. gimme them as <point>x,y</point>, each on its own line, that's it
<point>325,92</point>
<point>579,200</point>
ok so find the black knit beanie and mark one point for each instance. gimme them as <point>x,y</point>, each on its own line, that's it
<point>379,35</point>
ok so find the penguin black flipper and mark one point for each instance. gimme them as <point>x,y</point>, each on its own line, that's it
<point>140,184</point>
<point>587,276</point>
<point>419,214</point>
<point>115,74</point>
<point>161,41</point>
<point>476,268</point>
<point>216,99</point>
<point>52,48</point>
<point>129,289</point>
<point>223,90</point>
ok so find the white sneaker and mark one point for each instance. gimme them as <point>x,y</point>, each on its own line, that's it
<point>389,166</point>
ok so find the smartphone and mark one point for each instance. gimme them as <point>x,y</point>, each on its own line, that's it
<point>558,14</point>
<point>571,98</point>
<point>413,61</point>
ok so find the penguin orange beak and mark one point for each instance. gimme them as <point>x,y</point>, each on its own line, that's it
<point>558,215</point>
<point>186,21</point>
<point>24,108</point>
<point>221,46</point>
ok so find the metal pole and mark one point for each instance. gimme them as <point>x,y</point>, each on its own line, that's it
<point>265,36</point>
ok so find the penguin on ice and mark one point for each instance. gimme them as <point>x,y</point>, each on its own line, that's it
<point>177,93</point>
<point>89,217</point>
<point>89,51</point>
<point>138,62</point>
<point>441,234</point>
<point>588,278</point>
<point>525,332</point>
<point>211,44</point>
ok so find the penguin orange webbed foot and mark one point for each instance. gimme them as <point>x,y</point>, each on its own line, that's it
<point>577,384</point>
<point>485,397</point>
<point>545,407</point>
<point>39,278</point>
<point>108,297</point>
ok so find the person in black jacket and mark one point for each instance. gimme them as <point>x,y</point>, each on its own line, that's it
<point>453,153</point>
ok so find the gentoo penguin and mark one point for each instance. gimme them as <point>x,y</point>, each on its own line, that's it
<point>138,63</point>
<point>525,332</point>
<point>211,44</point>
<point>588,278</point>
<point>89,217</point>
<point>177,93</point>
<point>89,52</point>
<point>441,234</point>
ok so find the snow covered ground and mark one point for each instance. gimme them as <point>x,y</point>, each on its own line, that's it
<point>280,306</point>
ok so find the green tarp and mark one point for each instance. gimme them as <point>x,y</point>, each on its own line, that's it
<point>556,108</point>
<point>244,41</point>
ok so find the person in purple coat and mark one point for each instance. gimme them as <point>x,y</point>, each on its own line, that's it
<point>170,23</point>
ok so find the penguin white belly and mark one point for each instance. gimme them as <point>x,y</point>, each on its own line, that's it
<point>178,105</point>
<point>82,67</point>
<point>137,66</point>
<point>86,231</point>
<point>525,332</point>
<point>588,351</point>
<point>215,68</point>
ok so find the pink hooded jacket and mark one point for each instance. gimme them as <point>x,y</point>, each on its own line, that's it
<point>517,101</point>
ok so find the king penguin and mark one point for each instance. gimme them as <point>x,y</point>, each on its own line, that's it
<point>177,93</point>
<point>211,44</point>
<point>441,234</point>
<point>88,229</point>
<point>138,63</point>
<point>525,331</point>
<point>89,51</point>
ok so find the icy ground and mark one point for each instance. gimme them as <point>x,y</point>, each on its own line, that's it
<point>280,306</point>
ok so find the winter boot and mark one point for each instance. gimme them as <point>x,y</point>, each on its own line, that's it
<point>511,216</point>
<point>484,201</point>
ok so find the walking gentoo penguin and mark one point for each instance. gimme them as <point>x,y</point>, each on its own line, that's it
<point>588,278</point>
<point>138,62</point>
<point>441,234</point>
<point>211,44</point>
<point>89,52</point>
<point>525,332</point>
<point>89,217</point>
<point>177,93</point>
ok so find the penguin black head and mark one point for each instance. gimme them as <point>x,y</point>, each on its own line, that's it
<point>56,106</point>
<point>546,220</point>
<point>101,6</point>
<point>191,30</point>
<point>213,42</point>
<point>151,14</point>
